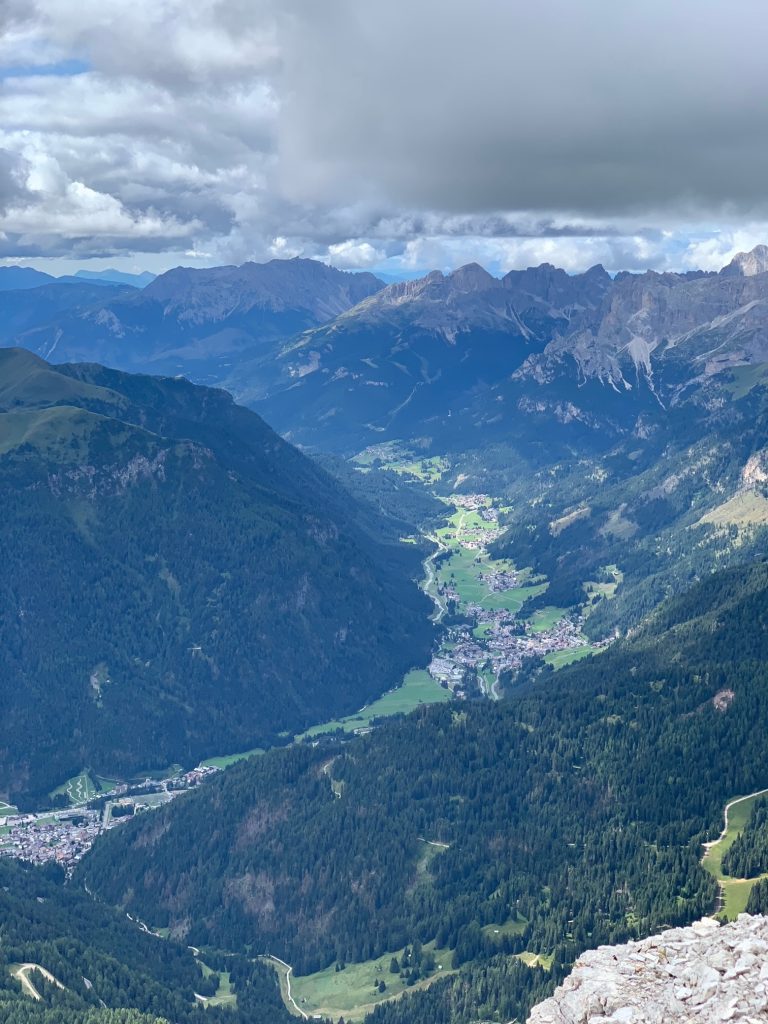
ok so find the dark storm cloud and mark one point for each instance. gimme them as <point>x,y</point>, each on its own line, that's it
<point>592,107</point>
<point>12,176</point>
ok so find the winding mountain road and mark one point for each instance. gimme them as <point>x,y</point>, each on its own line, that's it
<point>441,606</point>
<point>288,994</point>
<point>22,973</point>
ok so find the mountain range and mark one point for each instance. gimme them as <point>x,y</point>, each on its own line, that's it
<point>15,278</point>
<point>467,360</point>
<point>338,361</point>
<point>177,580</point>
<point>199,323</point>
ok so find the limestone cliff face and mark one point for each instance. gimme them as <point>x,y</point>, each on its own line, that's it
<point>755,471</point>
<point>698,975</point>
<point>665,332</point>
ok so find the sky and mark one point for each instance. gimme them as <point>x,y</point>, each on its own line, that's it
<point>395,136</point>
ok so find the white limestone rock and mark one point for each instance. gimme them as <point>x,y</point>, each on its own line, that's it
<point>697,975</point>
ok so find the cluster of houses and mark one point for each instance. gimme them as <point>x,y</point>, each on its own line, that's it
<point>500,580</point>
<point>480,539</point>
<point>503,647</point>
<point>64,836</point>
<point>473,503</point>
<point>470,657</point>
<point>59,836</point>
<point>508,647</point>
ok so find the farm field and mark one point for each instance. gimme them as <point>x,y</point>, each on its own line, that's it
<point>399,459</point>
<point>557,659</point>
<point>545,618</point>
<point>6,809</point>
<point>461,571</point>
<point>350,993</point>
<point>418,688</point>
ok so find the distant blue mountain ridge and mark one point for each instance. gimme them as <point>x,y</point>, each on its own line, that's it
<point>18,278</point>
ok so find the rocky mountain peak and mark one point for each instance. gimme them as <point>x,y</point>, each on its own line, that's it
<point>598,271</point>
<point>748,264</point>
<point>472,278</point>
<point>211,294</point>
<point>460,286</point>
<point>555,289</point>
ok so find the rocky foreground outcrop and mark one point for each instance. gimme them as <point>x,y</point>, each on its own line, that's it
<point>698,975</point>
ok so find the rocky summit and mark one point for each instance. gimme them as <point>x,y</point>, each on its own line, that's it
<point>698,975</point>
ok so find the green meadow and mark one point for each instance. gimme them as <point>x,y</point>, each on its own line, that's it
<point>353,992</point>
<point>418,688</point>
<point>735,891</point>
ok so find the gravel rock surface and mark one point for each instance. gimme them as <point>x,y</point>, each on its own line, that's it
<point>703,974</point>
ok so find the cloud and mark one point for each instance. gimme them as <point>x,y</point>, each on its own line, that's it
<point>383,134</point>
<point>13,172</point>
<point>355,254</point>
<point>584,108</point>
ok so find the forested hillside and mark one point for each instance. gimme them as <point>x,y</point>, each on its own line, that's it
<point>665,509</point>
<point>570,815</point>
<point>102,964</point>
<point>176,580</point>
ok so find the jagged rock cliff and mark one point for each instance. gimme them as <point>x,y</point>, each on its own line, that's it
<point>698,975</point>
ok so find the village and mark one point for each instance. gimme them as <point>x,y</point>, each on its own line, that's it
<point>465,656</point>
<point>487,638</point>
<point>64,836</point>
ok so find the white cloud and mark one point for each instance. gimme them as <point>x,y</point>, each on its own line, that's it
<point>282,249</point>
<point>353,254</point>
<point>715,252</point>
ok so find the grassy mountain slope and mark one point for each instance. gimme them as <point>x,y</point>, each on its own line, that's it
<point>177,579</point>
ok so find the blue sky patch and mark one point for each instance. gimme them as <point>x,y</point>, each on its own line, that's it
<point>62,68</point>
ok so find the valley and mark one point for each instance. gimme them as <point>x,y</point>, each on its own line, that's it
<point>554,644</point>
<point>383,512</point>
<point>486,635</point>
